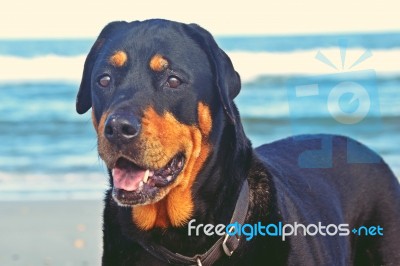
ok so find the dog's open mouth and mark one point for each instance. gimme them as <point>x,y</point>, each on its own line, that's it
<point>135,185</point>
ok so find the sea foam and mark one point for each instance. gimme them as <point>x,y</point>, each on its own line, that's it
<point>250,65</point>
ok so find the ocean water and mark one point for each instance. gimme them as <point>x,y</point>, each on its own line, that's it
<point>47,151</point>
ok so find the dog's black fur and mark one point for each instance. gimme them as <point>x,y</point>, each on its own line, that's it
<point>280,190</point>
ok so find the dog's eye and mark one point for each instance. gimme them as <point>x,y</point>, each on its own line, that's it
<point>174,82</point>
<point>104,81</point>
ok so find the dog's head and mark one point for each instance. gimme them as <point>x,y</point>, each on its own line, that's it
<point>160,92</point>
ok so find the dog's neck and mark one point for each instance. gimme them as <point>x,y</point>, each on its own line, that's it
<point>220,181</point>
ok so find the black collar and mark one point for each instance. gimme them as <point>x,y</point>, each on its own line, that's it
<point>225,245</point>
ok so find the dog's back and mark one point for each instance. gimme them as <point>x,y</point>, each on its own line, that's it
<point>357,194</point>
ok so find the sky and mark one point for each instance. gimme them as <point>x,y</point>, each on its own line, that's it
<point>80,18</point>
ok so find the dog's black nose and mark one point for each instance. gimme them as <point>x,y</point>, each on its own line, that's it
<point>121,127</point>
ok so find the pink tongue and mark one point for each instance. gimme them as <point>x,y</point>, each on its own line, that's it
<point>127,178</point>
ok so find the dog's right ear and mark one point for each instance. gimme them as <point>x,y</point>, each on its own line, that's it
<point>227,79</point>
<point>84,97</point>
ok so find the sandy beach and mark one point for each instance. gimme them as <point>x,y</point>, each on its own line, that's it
<point>60,232</point>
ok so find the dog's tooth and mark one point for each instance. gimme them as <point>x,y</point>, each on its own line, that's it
<point>146,176</point>
<point>141,185</point>
<point>169,178</point>
<point>180,164</point>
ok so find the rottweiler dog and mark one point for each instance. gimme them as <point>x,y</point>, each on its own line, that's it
<point>161,94</point>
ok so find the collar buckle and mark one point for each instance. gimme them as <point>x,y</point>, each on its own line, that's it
<point>227,251</point>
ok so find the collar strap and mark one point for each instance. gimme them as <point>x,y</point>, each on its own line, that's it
<point>226,245</point>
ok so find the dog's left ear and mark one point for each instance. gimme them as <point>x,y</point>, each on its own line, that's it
<point>84,97</point>
<point>227,79</point>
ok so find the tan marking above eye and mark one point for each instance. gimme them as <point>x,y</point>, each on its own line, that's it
<point>158,63</point>
<point>119,59</point>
